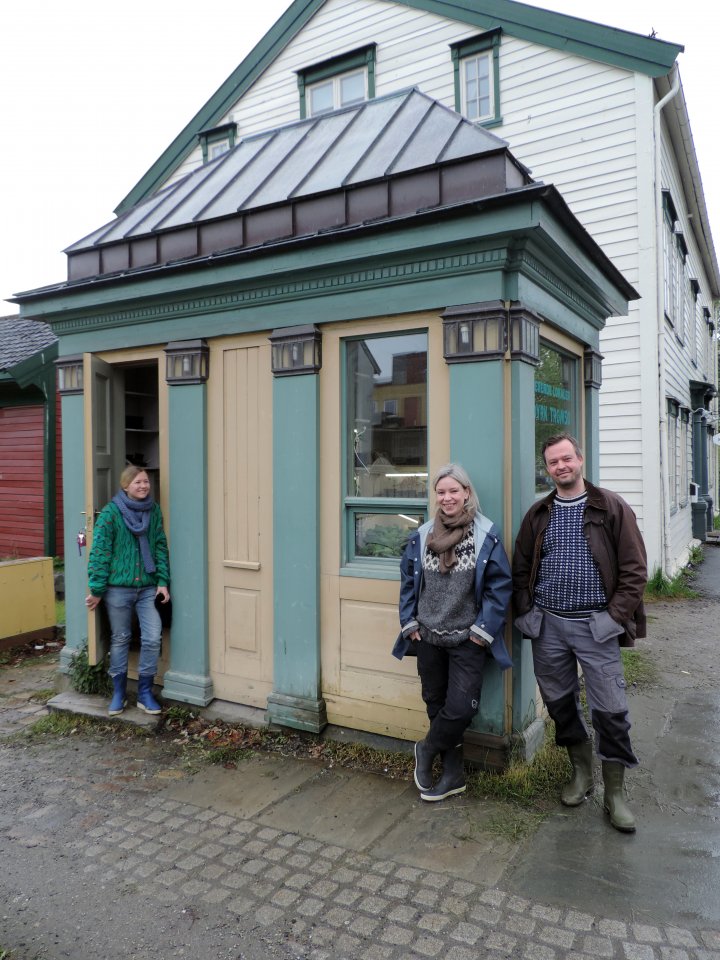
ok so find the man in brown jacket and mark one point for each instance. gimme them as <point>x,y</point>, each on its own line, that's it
<point>579,573</point>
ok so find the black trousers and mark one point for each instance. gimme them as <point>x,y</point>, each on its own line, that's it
<point>451,680</point>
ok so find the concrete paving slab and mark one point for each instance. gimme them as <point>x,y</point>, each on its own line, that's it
<point>257,783</point>
<point>452,837</point>
<point>92,706</point>
<point>342,806</point>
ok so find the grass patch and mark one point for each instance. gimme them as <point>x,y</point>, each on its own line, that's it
<point>60,612</point>
<point>60,725</point>
<point>638,666</point>
<point>89,679</point>
<point>42,696</point>
<point>696,555</point>
<point>533,785</point>
<point>660,587</point>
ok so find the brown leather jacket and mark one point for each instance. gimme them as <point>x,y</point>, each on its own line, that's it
<point>616,545</point>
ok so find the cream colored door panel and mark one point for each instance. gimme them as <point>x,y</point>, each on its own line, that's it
<point>104,414</point>
<point>240,519</point>
<point>386,719</point>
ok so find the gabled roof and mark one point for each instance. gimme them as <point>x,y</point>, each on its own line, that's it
<point>20,339</point>
<point>393,156</point>
<point>556,30</point>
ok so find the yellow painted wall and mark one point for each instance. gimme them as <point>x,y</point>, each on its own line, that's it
<point>27,596</point>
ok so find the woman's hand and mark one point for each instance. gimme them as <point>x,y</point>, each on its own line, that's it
<point>164,593</point>
<point>91,602</point>
<point>414,636</point>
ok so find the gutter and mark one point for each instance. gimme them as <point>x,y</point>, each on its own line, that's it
<point>660,311</point>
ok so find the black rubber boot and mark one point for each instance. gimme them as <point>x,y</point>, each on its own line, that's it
<point>620,814</point>
<point>581,785</point>
<point>424,756</point>
<point>452,780</point>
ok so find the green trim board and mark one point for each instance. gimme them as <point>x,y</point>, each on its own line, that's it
<point>488,41</point>
<point>35,376</point>
<point>73,462</point>
<point>188,678</point>
<point>478,444</point>
<point>621,48</point>
<point>343,63</point>
<point>296,699</point>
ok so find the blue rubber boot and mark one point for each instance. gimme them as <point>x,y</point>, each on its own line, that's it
<point>119,700</point>
<point>145,700</point>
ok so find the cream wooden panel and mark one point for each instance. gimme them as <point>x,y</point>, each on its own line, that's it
<point>364,686</point>
<point>240,518</point>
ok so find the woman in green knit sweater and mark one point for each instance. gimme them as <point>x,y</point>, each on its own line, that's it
<point>128,568</point>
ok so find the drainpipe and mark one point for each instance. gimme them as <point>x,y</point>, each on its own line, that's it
<point>664,471</point>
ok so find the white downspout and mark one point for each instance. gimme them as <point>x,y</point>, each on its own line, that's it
<point>660,310</point>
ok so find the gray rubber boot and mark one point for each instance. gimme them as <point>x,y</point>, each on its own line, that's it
<point>581,785</point>
<point>615,805</point>
<point>452,780</point>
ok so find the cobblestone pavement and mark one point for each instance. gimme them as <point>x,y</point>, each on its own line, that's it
<point>88,824</point>
<point>102,857</point>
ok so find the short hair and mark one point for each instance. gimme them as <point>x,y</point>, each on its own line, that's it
<point>558,438</point>
<point>456,472</point>
<point>129,474</point>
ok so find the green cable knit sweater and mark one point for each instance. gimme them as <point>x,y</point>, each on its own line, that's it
<point>115,559</point>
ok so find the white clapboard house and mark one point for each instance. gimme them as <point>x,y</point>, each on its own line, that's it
<point>596,111</point>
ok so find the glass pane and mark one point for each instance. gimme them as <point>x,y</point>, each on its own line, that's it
<point>477,87</point>
<point>384,534</point>
<point>321,98</point>
<point>555,405</point>
<point>387,416</point>
<point>352,88</point>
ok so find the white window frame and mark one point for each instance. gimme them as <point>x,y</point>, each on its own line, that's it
<point>336,84</point>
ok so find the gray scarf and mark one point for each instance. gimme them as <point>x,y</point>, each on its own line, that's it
<point>136,514</point>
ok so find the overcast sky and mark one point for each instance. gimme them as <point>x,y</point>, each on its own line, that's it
<point>93,92</point>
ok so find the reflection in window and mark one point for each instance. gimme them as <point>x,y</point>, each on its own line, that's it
<point>555,405</point>
<point>387,416</point>
<point>385,442</point>
<point>384,534</point>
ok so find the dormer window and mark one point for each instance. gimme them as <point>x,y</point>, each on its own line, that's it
<point>216,141</point>
<point>477,80</point>
<point>338,82</point>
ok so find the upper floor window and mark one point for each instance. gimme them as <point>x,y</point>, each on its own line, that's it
<point>477,78</point>
<point>216,141</point>
<point>675,251</point>
<point>338,82</point>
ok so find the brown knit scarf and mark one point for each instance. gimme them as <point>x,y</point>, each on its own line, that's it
<point>446,534</point>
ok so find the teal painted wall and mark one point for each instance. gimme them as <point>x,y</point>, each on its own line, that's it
<point>188,678</point>
<point>296,537</point>
<point>522,392</point>
<point>591,449</point>
<point>76,588</point>
<point>477,442</point>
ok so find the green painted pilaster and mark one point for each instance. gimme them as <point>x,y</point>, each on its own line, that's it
<point>591,450</point>
<point>296,699</point>
<point>477,442</point>
<point>522,455</point>
<point>73,459</point>
<point>188,678</point>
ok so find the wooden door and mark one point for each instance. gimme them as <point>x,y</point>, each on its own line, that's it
<point>104,459</point>
<point>240,519</point>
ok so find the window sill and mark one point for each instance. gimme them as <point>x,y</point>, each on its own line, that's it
<point>390,570</point>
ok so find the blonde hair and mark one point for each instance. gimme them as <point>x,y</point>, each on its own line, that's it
<point>456,472</point>
<point>129,474</point>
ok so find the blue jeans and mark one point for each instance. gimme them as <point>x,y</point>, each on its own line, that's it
<point>120,603</point>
